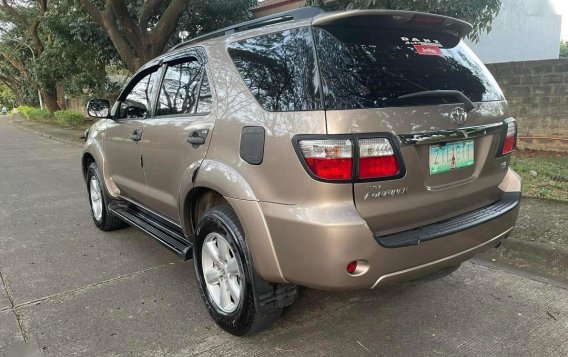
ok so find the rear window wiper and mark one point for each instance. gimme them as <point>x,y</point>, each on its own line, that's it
<point>469,106</point>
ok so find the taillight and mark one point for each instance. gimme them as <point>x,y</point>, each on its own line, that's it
<point>328,159</point>
<point>510,140</point>
<point>377,159</point>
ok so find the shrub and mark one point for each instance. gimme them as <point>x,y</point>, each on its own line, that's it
<point>32,113</point>
<point>69,117</point>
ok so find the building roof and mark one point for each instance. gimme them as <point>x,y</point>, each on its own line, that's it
<point>267,4</point>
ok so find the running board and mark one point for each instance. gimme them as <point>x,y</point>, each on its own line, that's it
<point>164,232</point>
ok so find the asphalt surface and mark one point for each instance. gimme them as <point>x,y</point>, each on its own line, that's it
<point>68,289</point>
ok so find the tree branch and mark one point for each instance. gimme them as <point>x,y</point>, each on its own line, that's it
<point>12,11</point>
<point>167,24</point>
<point>131,30</point>
<point>93,11</point>
<point>149,9</point>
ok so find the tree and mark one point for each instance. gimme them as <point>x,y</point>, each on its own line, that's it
<point>53,47</point>
<point>563,49</point>
<point>480,13</point>
<point>22,22</point>
<point>141,30</point>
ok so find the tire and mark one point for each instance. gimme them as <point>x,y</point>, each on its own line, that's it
<point>238,315</point>
<point>98,202</point>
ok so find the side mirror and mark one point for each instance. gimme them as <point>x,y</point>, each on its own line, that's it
<point>98,108</point>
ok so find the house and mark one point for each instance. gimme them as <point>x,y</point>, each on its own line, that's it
<point>269,7</point>
<point>524,30</point>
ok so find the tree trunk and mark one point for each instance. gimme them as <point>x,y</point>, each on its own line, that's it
<point>50,100</point>
<point>61,95</point>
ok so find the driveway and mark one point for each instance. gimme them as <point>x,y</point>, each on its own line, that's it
<point>67,288</point>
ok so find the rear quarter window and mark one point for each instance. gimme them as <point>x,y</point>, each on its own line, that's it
<point>279,69</point>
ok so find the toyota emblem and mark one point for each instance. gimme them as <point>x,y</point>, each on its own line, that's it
<point>459,115</point>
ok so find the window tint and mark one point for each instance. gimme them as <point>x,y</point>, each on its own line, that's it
<point>179,92</point>
<point>279,69</point>
<point>205,99</point>
<point>372,69</point>
<point>137,102</point>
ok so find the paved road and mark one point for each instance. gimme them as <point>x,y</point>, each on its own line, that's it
<point>69,289</point>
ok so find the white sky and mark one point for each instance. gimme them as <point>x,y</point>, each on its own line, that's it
<point>562,8</point>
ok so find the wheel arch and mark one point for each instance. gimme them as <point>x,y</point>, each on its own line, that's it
<point>210,181</point>
<point>216,182</point>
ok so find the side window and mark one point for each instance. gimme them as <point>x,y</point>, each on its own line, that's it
<point>180,89</point>
<point>279,69</point>
<point>205,98</point>
<point>137,102</point>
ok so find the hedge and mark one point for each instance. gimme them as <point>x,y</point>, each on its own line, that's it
<point>32,113</point>
<point>69,117</point>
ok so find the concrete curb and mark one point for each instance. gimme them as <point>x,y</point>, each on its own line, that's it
<point>533,257</point>
<point>44,134</point>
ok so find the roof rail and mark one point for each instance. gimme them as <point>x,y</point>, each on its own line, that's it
<point>291,15</point>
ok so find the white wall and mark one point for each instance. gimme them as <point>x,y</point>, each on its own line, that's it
<point>524,30</point>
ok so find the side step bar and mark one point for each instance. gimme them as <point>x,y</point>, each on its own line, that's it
<point>167,234</point>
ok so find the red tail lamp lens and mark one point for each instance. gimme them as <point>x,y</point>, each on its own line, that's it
<point>510,142</point>
<point>377,159</point>
<point>329,159</point>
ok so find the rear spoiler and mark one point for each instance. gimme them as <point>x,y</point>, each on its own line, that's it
<point>394,18</point>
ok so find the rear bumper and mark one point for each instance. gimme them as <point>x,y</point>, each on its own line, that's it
<point>451,226</point>
<point>314,244</point>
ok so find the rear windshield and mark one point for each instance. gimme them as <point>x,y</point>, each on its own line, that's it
<point>372,69</point>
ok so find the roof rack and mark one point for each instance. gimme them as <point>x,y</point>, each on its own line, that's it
<point>291,15</point>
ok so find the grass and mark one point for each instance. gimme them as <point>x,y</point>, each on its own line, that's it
<point>551,168</point>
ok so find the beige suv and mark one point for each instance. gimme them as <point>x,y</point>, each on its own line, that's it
<point>345,150</point>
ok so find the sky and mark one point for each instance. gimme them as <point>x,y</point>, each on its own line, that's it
<point>562,8</point>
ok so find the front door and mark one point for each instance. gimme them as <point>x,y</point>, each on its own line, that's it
<point>124,135</point>
<point>177,137</point>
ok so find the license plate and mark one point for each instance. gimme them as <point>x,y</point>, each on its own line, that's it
<point>451,156</point>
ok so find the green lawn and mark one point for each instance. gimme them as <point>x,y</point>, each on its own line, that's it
<point>551,180</point>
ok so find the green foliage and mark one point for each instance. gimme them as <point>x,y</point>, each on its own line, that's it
<point>205,16</point>
<point>35,114</point>
<point>69,117</point>
<point>563,49</point>
<point>480,13</point>
<point>550,173</point>
<point>7,98</point>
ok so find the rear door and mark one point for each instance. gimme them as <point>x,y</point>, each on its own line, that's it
<point>447,162</point>
<point>176,138</point>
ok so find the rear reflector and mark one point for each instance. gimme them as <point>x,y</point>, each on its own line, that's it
<point>352,267</point>
<point>328,159</point>
<point>510,142</point>
<point>377,159</point>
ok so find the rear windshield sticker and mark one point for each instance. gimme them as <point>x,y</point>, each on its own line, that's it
<point>428,50</point>
<point>409,41</point>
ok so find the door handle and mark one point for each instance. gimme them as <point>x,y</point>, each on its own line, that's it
<point>136,135</point>
<point>196,140</point>
<point>197,137</point>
